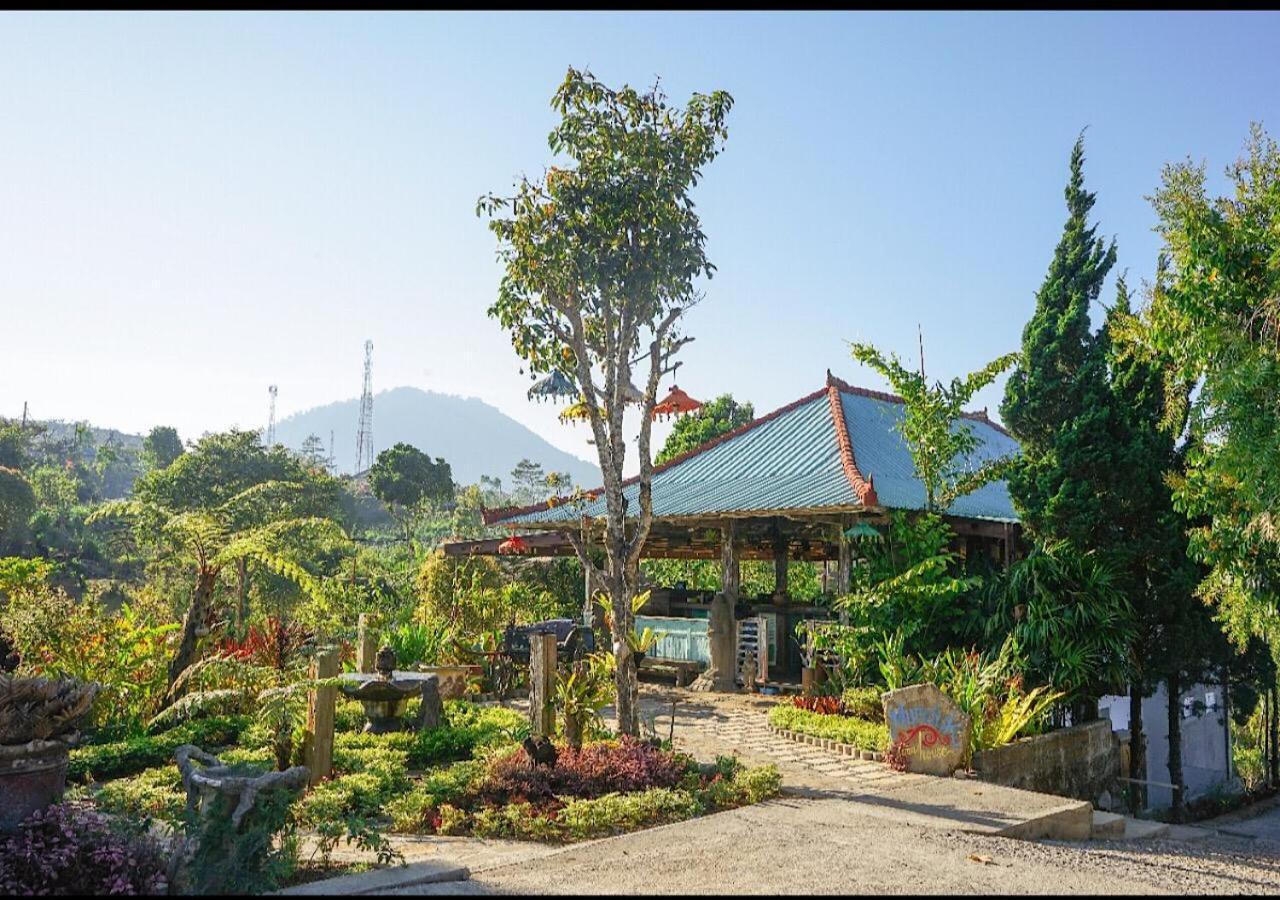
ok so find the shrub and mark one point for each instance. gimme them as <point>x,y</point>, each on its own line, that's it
<point>601,768</point>
<point>132,755</point>
<point>616,813</point>
<point>152,794</point>
<point>846,729</point>
<point>827,706</point>
<point>864,703</point>
<point>416,811</point>
<point>69,850</point>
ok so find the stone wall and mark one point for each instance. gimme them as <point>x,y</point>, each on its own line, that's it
<point>1078,762</point>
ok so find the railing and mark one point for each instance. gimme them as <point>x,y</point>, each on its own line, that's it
<point>681,639</point>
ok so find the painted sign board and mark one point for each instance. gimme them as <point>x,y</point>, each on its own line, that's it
<point>927,726</point>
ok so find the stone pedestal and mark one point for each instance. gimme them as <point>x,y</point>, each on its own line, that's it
<point>432,712</point>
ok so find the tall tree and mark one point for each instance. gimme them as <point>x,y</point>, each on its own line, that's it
<point>408,480</point>
<point>1215,312</point>
<point>313,452</point>
<point>716,417</point>
<point>600,260</point>
<point>160,447</point>
<point>1057,401</point>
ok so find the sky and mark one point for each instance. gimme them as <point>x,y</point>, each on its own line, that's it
<point>195,206</point>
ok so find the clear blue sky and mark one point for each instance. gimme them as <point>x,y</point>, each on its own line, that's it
<point>194,206</point>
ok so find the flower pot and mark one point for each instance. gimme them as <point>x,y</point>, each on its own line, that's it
<point>32,777</point>
<point>638,656</point>
<point>453,679</point>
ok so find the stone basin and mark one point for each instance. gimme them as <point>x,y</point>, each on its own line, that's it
<point>385,698</point>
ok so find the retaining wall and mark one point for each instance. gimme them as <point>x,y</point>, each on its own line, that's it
<point>1079,762</point>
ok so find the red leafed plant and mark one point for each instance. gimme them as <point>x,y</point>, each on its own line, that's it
<point>276,644</point>
<point>595,770</point>
<point>827,706</point>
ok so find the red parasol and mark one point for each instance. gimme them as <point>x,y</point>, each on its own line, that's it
<point>515,544</point>
<point>676,403</point>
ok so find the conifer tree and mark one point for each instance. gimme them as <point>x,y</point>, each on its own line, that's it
<point>1057,401</point>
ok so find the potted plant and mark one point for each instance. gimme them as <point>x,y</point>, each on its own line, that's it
<point>39,718</point>
<point>640,642</point>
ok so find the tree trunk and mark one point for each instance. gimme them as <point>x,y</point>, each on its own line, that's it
<point>206,579</point>
<point>1274,731</point>
<point>242,596</point>
<point>1137,750</point>
<point>1174,686</point>
<point>626,679</point>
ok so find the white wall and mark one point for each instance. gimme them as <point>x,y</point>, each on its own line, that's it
<point>1205,760</point>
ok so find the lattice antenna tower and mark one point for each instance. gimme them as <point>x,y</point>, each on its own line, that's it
<point>271,417</point>
<point>364,436</point>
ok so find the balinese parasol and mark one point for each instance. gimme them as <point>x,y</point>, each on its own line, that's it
<point>552,387</point>
<point>676,403</point>
<point>575,412</point>
<point>514,544</point>
<point>863,530</point>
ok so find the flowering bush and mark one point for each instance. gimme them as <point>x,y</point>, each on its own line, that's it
<point>70,850</point>
<point>826,706</point>
<point>276,644</point>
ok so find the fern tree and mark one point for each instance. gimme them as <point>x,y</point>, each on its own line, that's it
<point>213,540</point>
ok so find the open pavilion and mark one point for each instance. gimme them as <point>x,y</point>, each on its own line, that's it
<point>789,485</point>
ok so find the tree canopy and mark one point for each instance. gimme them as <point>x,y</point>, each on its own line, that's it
<point>716,417</point>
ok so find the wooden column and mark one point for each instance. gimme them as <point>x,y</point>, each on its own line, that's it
<point>722,627</point>
<point>317,740</point>
<point>780,551</point>
<point>366,646</point>
<point>542,684</point>
<point>844,571</point>
<point>730,566</point>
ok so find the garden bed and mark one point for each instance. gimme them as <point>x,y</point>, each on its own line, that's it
<point>838,729</point>
<point>469,777</point>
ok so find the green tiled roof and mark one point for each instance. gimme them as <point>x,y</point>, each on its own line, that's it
<point>837,449</point>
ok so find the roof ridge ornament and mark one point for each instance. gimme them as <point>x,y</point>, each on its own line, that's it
<point>863,487</point>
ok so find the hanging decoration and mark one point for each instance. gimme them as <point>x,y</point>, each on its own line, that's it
<point>862,531</point>
<point>553,387</point>
<point>676,403</point>
<point>514,544</point>
<point>576,412</point>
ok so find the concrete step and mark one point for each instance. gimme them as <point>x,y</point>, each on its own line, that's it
<point>1144,829</point>
<point>1107,826</point>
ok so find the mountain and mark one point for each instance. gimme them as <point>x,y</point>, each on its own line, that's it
<point>475,438</point>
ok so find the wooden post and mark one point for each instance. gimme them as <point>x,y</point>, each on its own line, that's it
<point>730,567</point>
<point>780,551</point>
<point>317,741</point>
<point>721,626</point>
<point>542,684</point>
<point>844,567</point>
<point>844,570</point>
<point>366,646</point>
